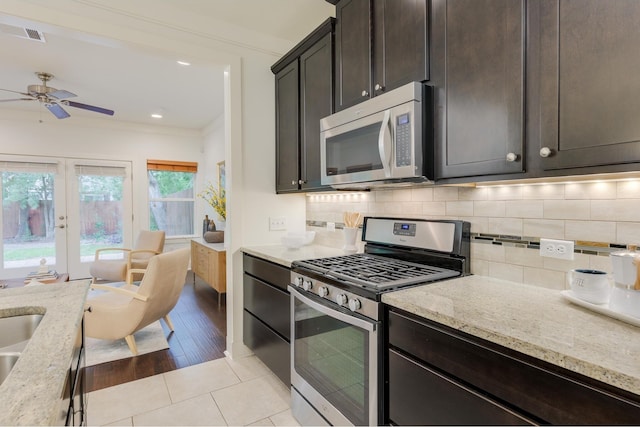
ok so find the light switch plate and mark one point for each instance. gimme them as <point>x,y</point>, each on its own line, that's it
<point>277,223</point>
<point>331,226</point>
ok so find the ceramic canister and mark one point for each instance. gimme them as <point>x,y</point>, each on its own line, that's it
<point>625,295</point>
<point>590,285</point>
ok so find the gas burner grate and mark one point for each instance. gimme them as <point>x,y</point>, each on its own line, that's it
<point>376,271</point>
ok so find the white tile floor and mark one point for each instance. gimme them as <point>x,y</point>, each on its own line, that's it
<point>217,393</point>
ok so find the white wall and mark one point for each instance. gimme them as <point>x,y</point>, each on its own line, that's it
<point>31,134</point>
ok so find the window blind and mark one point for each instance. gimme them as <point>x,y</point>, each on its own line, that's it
<point>172,165</point>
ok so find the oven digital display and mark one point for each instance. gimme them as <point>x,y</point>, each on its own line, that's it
<point>403,119</point>
<point>404,229</point>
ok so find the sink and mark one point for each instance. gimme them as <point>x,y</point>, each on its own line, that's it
<point>15,333</point>
<point>17,329</point>
<point>7,360</point>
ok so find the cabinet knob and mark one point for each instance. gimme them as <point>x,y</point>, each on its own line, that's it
<point>512,157</point>
<point>365,93</point>
<point>302,181</point>
<point>294,183</point>
<point>379,87</point>
<point>545,152</point>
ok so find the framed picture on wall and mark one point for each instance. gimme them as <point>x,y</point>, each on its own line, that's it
<point>221,176</point>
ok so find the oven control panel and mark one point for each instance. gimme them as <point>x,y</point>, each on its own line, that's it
<point>404,229</point>
<point>336,296</point>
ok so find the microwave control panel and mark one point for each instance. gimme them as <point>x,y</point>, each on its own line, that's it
<point>403,140</point>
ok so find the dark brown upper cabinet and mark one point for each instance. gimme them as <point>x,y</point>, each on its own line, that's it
<point>584,57</point>
<point>304,95</point>
<point>478,71</point>
<point>380,45</point>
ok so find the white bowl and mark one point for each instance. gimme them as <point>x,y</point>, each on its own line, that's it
<point>295,240</point>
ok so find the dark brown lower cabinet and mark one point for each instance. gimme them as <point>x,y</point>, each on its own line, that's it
<point>267,314</point>
<point>438,375</point>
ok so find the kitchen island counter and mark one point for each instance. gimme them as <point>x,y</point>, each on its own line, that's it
<point>280,254</point>
<point>531,320</point>
<point>32,393</point>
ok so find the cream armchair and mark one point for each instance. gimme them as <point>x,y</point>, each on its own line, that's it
<point>148,244</point>
<point>125,309</point>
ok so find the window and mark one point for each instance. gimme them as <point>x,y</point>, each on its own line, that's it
<point>171,196</point>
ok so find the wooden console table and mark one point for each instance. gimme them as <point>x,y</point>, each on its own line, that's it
<point>209,262</point>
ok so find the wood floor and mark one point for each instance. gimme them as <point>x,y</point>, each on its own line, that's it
<point>199,336</point>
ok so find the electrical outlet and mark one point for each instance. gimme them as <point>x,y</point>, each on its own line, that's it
<point>562,249</point>
<point>331,226</point>
<point>277,223</point>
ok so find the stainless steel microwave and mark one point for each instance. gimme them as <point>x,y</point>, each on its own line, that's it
<point>384,140</point>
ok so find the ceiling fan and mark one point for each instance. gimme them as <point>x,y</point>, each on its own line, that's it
<point>52,98</point>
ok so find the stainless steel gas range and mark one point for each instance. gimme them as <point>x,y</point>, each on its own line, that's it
<point>336,314</point>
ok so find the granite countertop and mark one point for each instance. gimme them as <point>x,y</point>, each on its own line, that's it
<point>282,255</point>
<point>31,394</point>
<point>532,320</point>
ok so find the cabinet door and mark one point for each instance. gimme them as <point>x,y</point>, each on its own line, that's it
<point>588,76</point>
<point>421,396</point>
<point>353,53</point>
<point>478,77</point>
<point>287,129</point>
<point>400,43</point>
<point>316,102</point>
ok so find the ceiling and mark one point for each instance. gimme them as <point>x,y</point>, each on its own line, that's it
<point>136,83</point>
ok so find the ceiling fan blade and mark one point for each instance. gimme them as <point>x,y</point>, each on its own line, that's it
<point>17,99</point>
<point>14,91</point>
<point>88,107</point>
<point>61,94</point>
<point>57,111</point>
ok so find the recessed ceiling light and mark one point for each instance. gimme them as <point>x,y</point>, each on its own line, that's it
<point>183,63</point>
<point>156,115</point>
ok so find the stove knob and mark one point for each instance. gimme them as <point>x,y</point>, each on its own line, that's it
<point>341,299</point>
<point>298,281</point>
<point>323,291</point>
<point>354,304</point>
<point>306,285</point>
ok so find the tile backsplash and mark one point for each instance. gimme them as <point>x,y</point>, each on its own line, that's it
<point>507,222</point>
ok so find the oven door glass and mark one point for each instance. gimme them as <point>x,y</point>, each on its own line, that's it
<point>335,353</point>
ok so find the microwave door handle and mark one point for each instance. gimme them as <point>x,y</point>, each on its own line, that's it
<point>384,144</point>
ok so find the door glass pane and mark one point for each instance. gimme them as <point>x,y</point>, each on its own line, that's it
<point>28,217</point>
<point>101,210</point>
<point>333,357</point>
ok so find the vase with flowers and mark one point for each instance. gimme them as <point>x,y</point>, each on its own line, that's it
<point>216,198</point>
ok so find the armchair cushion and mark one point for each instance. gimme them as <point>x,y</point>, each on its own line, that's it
<point>148,244</point>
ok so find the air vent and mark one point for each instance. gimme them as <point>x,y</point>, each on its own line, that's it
<point>23,33</point>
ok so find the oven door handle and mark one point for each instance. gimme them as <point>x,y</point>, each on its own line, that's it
<point>336,314</point>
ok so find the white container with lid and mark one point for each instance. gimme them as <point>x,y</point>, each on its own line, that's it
<point>625,295</point>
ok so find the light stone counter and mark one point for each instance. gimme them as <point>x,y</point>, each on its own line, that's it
<point>31,394</point>
<point>218,247</point>
<point>532,320</point>
<point>284,256</point>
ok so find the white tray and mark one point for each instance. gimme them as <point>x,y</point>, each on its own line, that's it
<point>600,308</point>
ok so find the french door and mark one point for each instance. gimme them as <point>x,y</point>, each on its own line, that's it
<point>61,211</point>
